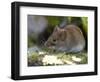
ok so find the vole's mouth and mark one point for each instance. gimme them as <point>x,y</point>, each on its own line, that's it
<point>51,47</point>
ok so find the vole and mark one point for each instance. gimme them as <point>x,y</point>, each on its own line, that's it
<point>67,39</point>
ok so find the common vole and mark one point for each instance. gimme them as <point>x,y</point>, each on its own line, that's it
<point>68,39</point>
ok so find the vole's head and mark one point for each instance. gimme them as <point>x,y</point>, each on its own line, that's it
<point>57,36</point>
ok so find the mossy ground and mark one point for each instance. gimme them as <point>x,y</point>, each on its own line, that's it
<point>35,58</point>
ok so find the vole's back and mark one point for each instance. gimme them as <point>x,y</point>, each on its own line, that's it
<point>69,39</point>
<point>74,39</point>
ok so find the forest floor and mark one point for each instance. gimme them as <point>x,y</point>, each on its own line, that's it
<point>47,57</point>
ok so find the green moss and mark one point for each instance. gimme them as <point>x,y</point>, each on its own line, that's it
<point>68,56</point>
<point>33,57</point>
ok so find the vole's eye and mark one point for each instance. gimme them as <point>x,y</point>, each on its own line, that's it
<point>54,40</point>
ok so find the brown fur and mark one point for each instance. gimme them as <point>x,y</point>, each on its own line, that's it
<point>67,39</point>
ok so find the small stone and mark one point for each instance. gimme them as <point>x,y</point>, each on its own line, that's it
<point>51,60</point>
<point>41,53</point>
<point>69,62</point>
<point>76,59</point>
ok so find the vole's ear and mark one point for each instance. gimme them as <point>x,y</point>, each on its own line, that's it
<point>63,34</point>
<point>56,28</point>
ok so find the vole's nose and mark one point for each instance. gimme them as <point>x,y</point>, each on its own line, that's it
<point>46,44</point>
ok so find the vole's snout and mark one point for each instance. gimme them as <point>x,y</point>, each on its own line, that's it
<point>49,45</point>
<point>46,44</point>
